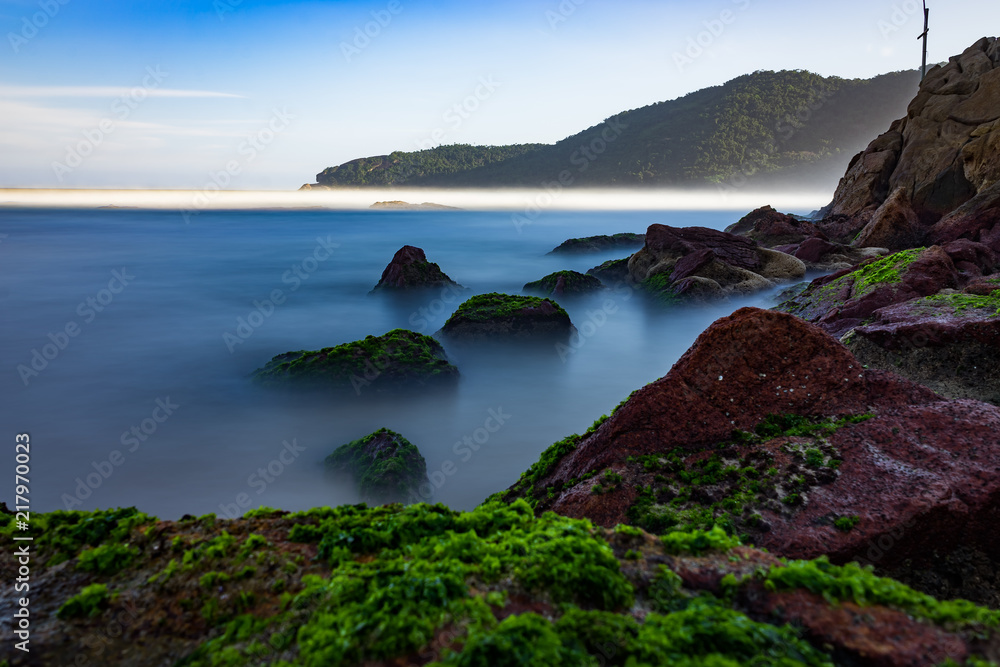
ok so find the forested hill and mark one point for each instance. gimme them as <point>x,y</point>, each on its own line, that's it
<point>787,127</point>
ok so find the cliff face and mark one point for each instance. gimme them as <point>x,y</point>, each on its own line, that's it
<point>933,177</point>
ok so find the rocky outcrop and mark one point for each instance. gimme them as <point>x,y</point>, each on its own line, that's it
<point>409,270</point>
<point>770,426</point>
<point>564,283</point>
<point>501,317</point>
<point>385,466</point>
<point>932,177</point>
<point>398,361</point>
<point>602,243</point>
<point>770,228</point>
<point>397,205</point>
<point>697,262</point>
<point>392,585</point>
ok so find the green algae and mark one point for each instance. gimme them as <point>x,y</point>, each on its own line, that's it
<point>573,283</point>
<point>962,304</point>
<point>885,270</point>
<point>495,306</point>
<point>91,601</point>
<point>396,360</point>
<point>106,559</point>
<point>388,474</point>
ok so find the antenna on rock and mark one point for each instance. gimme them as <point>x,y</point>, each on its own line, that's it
<point>923,36</point>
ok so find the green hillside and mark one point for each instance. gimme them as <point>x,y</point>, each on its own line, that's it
<point>789,125</point>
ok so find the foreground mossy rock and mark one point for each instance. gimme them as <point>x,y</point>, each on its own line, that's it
<point>399,360</point>
<point>771,428</point>
<point>385,465</point>
<point>500,317</point>
<point>564,283</point>
<point>426,585</point>
<point>410,270</point>
<point>700,264</point>
<point>602,243</point>
<point>949,342</point>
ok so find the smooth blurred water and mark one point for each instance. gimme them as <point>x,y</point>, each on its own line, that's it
<point>162,338</point>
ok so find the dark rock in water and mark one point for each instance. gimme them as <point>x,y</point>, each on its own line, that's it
<point>770,427</point>
<point>949,342</point>
<point>933,176</point>
<point>841,301</point>
<point>507,317</point>
<point>599,243</point>
<point>398,361</point>
<point>409,269</point>
<point>677,263</point>
<point>564,283</point>
<point>386,467</point>
<point>612,272</point>
<point>770,228</point>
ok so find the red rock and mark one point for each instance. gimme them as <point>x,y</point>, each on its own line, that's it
<point>770,228</point>
<point>812,250</point>
<point>409,269</point>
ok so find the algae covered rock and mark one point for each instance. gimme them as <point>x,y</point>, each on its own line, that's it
<point>770,427</point>
<point>602,243</point>
<point>386,467</point>
<point>500,317</point>
<point>949,342</point>
<point>410,270</point>
<point>697,263</point>
<point>399,360</point>
<point>423,584</point>
<point>612,272</point>
<point>564,283</point>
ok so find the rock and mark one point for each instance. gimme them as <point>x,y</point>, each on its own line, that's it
<point>423,584</point>
<point>770,427</point>
<point>385,466</point>
<point>841,301</point>
<point>564,283</point>
<point>612,272</point>
<point>770,228</point>
<point>601,243</point>
<point>398,361</point>
<point>500,317</point>
<point>923,181</point>
<point>949,342</point>
<point>409,269</point>
<point>735,264</point>
<point>397,205</point>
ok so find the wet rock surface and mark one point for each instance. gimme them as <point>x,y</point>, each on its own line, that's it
<point>410,270</point>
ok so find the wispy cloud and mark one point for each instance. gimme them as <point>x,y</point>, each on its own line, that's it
<point>103,91</point>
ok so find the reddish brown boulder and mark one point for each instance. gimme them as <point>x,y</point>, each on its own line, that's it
<point>917,472</point>
<point>770,228</point>
<point>409,269</point>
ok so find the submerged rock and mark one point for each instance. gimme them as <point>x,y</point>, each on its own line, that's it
<point>772,428</point>
<point>564,283</point>
<point>385,466</point>
<point>599,243</point>
<point>699,263</point>
<point>399,360</point>
<point>409,269</point>
<point>500,317</point>
<point>612,272</point>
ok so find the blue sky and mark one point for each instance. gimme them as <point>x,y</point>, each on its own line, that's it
<point>262,94</point>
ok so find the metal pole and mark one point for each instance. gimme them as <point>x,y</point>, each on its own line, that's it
<point>927,17</point>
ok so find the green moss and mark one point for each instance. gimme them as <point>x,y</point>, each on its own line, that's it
<point>698,542</point>
<point>106,559</point>
<point>846,523</point>
<point>888,269</point>
<point>386,466</point>
<point>397,360</point>
<point>858,584</point>
<point>961,304</point>
<point>573,283</point>
<point>91,601</point>
<point>64,534</point>
<point>495,306</point>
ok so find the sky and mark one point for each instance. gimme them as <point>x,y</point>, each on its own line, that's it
<point>263,94</point>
